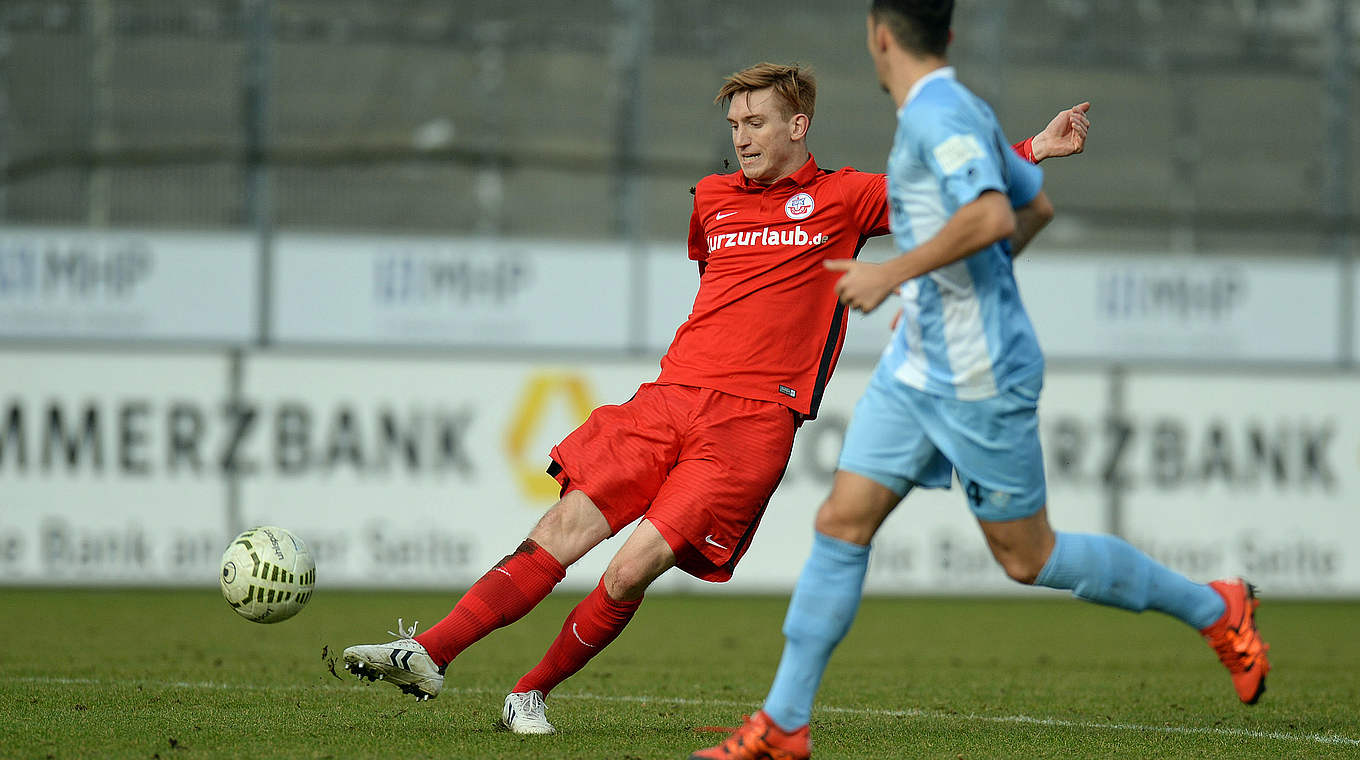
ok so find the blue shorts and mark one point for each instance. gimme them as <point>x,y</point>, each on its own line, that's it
<point>902,437</point>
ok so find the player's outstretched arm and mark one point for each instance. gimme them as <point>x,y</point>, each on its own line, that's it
<point>984,221</point>
<point>1029,219</point>
<point>1065,135</point>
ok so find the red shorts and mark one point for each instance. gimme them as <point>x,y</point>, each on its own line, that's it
<point>699,464</point>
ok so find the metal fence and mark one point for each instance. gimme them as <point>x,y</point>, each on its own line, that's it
<point>1220,124</point>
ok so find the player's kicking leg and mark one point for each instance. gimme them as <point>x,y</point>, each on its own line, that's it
<point>416,663</point>
<point>1001,468</point>
<point>589,628</point>
<point>1108,570</point>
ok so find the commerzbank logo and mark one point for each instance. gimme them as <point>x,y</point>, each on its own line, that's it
<point>547,398</point>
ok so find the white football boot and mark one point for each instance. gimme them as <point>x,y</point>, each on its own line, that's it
<point>404,663</point>
<point>524,713</point>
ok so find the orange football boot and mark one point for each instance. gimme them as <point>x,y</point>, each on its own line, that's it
<point>1235,638</point>
<point>760,739</point>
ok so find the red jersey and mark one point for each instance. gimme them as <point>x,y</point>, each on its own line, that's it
<point>766,323</point>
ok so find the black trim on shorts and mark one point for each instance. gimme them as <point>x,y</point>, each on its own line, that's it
<point>554,469</point>
<point>731,564</point>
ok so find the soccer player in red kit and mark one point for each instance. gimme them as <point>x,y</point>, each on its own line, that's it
<point>698,452</point>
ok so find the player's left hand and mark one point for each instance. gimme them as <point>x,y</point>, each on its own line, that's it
<point>1065,135</point>
<point>864,286</point>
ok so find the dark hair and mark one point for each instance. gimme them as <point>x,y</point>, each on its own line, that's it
<point>919,26</point>
<point>794,86</point>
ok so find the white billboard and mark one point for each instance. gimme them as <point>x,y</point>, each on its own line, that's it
<point>127,285</point>
<point>672,282</point>
<point>1258,476</point>
<point>428,291</point>
<point>111,468</point>
<point>1123,307</point>
<point>116,468</point>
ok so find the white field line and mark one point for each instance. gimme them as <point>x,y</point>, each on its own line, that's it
<point>1328,739</point>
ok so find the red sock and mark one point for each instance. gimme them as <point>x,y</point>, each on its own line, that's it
<point>595,622</point>
<point>505,594</point>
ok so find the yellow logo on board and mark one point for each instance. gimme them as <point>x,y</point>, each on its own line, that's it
<point>542,391</point>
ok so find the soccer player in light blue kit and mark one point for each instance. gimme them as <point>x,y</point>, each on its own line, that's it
<point>956,391</point>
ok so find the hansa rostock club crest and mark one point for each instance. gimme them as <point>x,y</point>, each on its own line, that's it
<point>799,206</point>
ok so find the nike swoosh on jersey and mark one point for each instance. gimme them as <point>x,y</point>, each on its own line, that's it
<point>723,215</point>
<point>709,539</point>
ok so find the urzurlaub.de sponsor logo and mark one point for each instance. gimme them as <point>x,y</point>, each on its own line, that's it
<point>765,237</point>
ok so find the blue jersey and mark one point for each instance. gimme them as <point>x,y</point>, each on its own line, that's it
<point>964,333</point>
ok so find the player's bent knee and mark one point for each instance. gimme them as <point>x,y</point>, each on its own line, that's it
<point>1021,569</point>
<point>631,572</point>
<point>855,508</point>
<point>1022,575</point>
<point>626,581</point>
<point>841,524</point>
<point>1020,565</point>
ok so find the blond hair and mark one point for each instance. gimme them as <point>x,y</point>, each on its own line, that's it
<point>794,86</point>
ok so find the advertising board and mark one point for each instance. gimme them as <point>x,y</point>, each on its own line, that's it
<point>111,468</point>
<point>119,468</point>
<point>415,291</point>
<point>127,285</point>
<point>1121,307</point>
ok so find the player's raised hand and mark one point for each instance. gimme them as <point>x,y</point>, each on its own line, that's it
<point>863,286</point>
<point>1065,135</point>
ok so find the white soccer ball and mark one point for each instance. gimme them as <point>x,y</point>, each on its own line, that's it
<point>267,574</point>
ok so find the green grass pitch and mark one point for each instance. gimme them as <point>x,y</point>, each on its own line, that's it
<point>176,674</point>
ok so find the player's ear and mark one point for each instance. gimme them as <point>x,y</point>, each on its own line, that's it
<point>879,36</point>
<point>798,127</point>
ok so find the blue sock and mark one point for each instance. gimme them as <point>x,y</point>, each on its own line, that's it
<point>1109,570</point>
<point>822,608</point>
